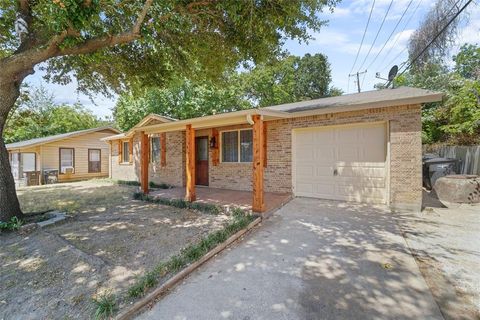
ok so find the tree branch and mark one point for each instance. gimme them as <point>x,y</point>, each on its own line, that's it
<point>27,59</point>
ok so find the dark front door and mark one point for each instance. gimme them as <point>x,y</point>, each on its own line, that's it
<point>201,156</point>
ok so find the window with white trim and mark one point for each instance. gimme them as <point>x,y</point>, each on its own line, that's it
<point>67,160</point>
<point>237,145</point>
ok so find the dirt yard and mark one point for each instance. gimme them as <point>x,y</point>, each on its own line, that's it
<point>446,245</point>
<point>54,272</point>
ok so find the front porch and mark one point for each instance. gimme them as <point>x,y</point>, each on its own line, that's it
<point>226,156</point>
<point>225,197</point>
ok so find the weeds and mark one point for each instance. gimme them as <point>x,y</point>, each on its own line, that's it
<point>105,306</point>
<point>13,224</point>
<point>191,253</point>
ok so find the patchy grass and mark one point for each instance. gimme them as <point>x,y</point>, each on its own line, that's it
<point>207,208</point>
<point>109,243</point>
<point>75,197</point>
<point>190,254</point>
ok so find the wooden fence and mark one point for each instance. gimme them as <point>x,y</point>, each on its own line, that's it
<point>469,156</point>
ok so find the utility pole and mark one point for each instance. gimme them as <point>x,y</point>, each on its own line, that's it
<point>357,74</point>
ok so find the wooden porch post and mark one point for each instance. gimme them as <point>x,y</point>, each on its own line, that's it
<point>144,162</point>
<point>258,164</point>
<point>190,163</point>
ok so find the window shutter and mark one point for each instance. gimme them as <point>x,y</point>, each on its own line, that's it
<point>119,151</point>
<point>215,151</point>
<point>130,152</point>
<point>163,146</point>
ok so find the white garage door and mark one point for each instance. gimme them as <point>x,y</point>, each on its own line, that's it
<point>341,163</point>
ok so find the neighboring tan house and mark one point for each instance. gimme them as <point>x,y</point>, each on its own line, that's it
<point>71,156</point>
<point>363,147</point>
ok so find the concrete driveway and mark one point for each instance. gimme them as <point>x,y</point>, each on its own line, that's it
<point>314,259</point>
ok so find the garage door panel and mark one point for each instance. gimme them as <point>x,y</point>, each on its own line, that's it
<point>308,154</point>
<point>358,171</point>
<point>347,135</point>
<point>323,137</point>
<point>305,171</point>
<point>356,153</point>
<point>349,154</point>
<point>325,155</point>
<point>359,182</point>
<point>305,138</point>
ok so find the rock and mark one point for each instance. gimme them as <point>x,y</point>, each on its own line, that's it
<point>457,189</point>
<point>28,228</point>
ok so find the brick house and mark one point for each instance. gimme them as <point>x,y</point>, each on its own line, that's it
<point>363,147</point>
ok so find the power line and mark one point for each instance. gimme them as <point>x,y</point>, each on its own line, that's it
<point>363,37</point>
<point>391,34</point>
<point>398,37</point>
<point>436,36</point>
<point>376,36</point>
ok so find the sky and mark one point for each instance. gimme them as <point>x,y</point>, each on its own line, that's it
<point>340,40</point>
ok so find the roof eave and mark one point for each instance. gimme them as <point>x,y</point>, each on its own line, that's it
<point>32,145</point>
<point>434,97</point>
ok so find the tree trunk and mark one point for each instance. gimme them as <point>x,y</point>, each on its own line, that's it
<point>9,205</point>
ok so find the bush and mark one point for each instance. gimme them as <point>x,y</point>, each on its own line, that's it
<point>13,224</point>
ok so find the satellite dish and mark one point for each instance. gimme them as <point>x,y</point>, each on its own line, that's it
<point>391,76</point>
<point>392,73</point>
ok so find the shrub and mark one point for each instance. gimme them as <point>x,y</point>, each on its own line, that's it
<point>13,224</point>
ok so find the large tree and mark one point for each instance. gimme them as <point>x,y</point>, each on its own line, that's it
<point>289,79</point>
<point>113,43</point>
<point>182,99</point>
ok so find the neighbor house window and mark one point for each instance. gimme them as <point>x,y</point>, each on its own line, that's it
<point>28,162</point>
<point>155,149</point>
<point>237,146</point>
<point>126,152</point>
<point>94,160</point>
<point>67,160</point>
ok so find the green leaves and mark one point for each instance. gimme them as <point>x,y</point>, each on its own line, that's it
<point>288,80</point>
<point>183,99</point>
<point>178,38</point>
<point>455,120</point>
<point>38,116</point>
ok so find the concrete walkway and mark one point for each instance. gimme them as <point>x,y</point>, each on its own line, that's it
<point>313,259</point>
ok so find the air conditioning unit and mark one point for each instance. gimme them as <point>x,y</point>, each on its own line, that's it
<point>68,170</point>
